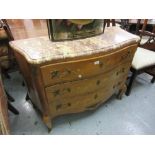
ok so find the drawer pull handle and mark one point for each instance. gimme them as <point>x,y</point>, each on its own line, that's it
<point>98,82</point>
<point>69,104</point>
<point>69,90</point>
<point>119,83</point>
<point>80,76</point>
<point>98,63</point>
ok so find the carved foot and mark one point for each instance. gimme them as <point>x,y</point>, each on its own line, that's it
<point>121,92</point>
<point>47,120</point>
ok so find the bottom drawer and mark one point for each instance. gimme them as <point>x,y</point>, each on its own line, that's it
<point>80,103</point>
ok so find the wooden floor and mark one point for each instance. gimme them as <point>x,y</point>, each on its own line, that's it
<point>27,28</point>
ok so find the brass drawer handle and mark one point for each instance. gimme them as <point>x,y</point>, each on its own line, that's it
<point>98,82</point>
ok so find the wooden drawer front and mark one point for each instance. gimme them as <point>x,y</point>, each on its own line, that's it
<point>67,95</point>
<point>76,70</point>
<point>79,103</point>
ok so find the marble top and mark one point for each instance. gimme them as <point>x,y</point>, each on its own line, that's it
<point>41,49</point>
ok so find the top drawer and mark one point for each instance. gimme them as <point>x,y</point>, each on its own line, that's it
<point>84,68</point>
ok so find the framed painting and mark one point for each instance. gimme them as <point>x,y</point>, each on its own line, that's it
<point>70,29</point>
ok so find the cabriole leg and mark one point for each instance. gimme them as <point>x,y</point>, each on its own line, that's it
<point>48,121</point>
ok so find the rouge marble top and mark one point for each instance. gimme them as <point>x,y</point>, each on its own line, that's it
<point>41,49</point>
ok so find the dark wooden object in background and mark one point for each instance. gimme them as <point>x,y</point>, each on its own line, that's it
<point>5,99</point>
<point>4,120</point>
<point>107,22</point>
<point>135,73</point>
<point>150,45</point>
<point>5,50</point>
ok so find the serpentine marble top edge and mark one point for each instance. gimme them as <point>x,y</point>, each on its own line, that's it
<point>41,49</point>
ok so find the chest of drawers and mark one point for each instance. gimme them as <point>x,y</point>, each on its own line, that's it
<point>74,76</point>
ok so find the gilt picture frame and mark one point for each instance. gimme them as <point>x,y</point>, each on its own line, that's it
<point>71,29</point>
